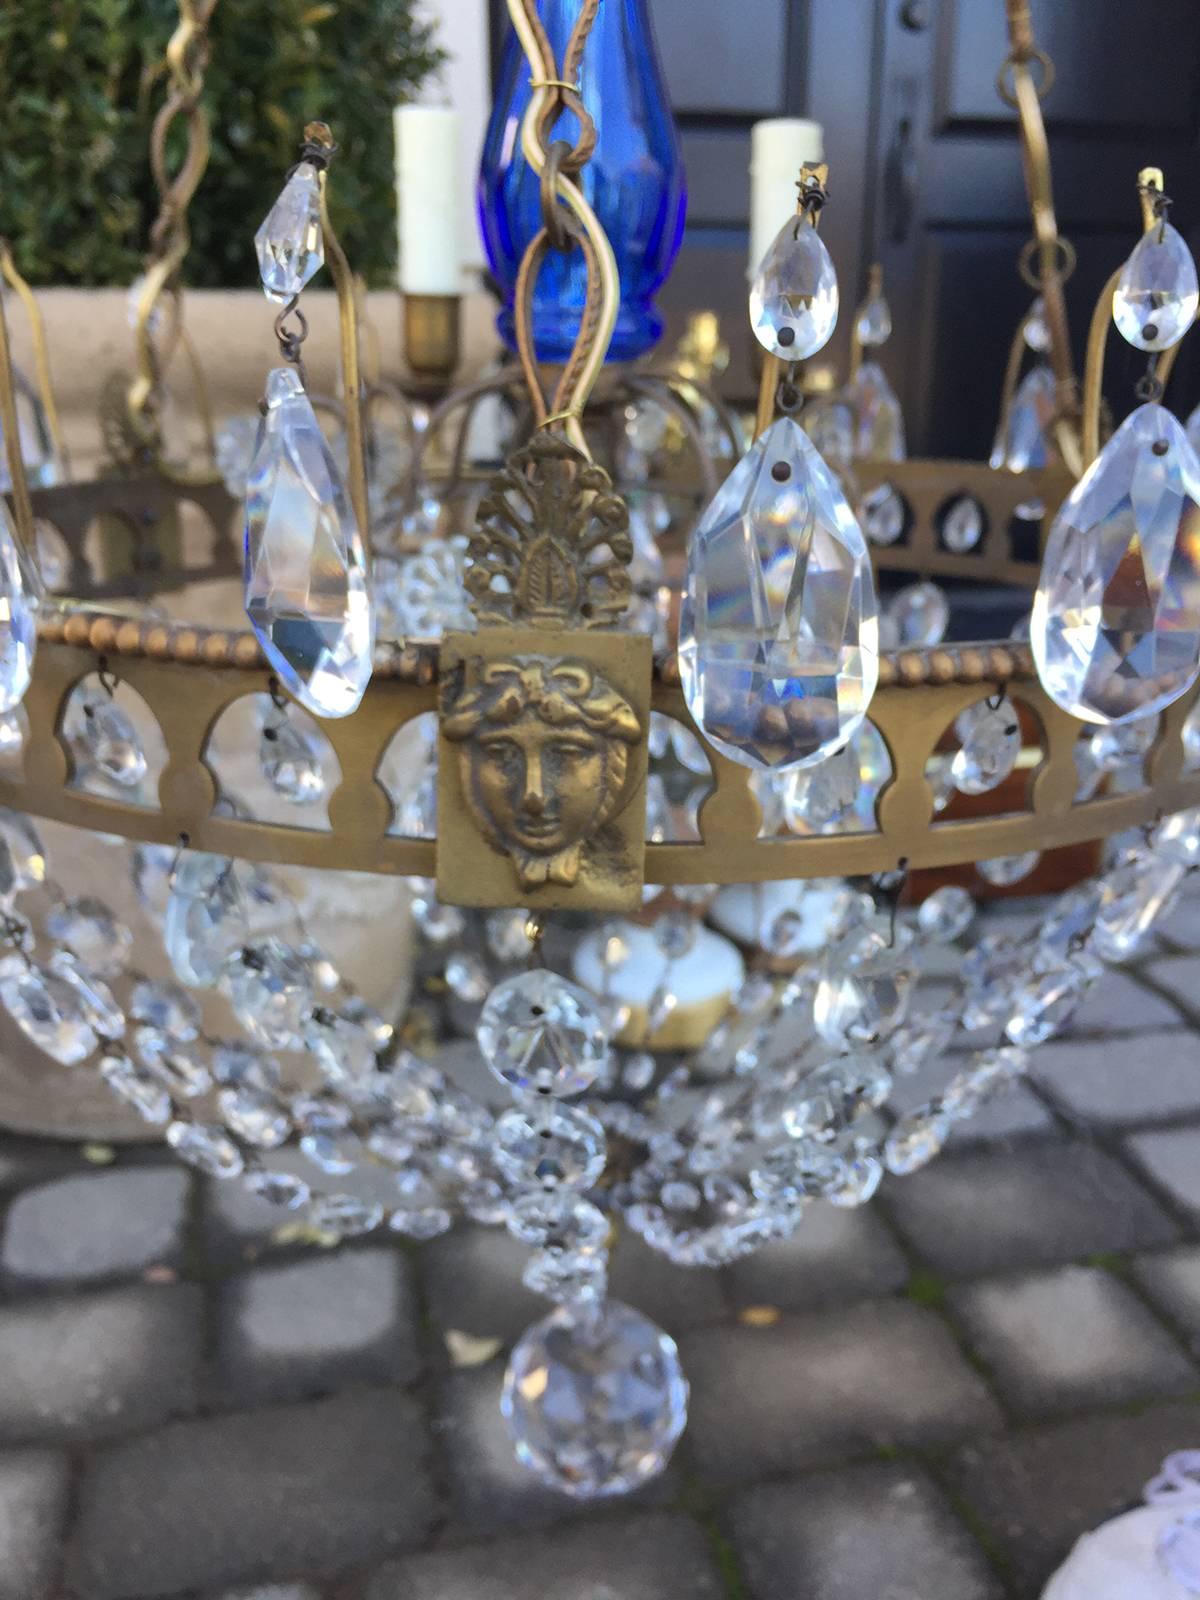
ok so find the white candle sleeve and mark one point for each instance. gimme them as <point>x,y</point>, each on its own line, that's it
<point>779,147</point>
<point>427,189</point>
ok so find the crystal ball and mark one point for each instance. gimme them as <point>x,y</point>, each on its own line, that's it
<point>540,1033</point>
<point>595,1403</point>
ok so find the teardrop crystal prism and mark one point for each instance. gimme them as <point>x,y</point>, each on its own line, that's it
<point>1021,441</point>
<point>778,634</point>
<point>874,322</point>
<point>1157,293</point>
<point>879,422</point>
<point>289,244</point>
<point>794,296</point>
<point>307,592</point>
<point>104,743</point>
<point>18,615</point>
<point>1116,616</point>
<point>290,764</point>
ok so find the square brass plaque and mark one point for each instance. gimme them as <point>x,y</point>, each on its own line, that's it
<point>542,768</point>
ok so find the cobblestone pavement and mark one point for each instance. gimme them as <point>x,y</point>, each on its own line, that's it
<point>927,1399</point>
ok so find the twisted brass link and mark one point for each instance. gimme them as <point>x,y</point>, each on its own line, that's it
<point>155,337</point>
<point>567,220</point>
<point>1052,252</point>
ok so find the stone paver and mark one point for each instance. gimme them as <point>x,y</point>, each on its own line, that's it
<point>1172,1280</point>
<point>1148,1077</point>
<point>1068,1339</point>
<point>103,1362</point>
<point>33,1505</point>
<point>311,1325</point>
<point>491,1492</point>
<point>473,1283</point>
<point>271,1493</point>
<point>834,1255</point>
<point>1182,925</point>
<point>96,1225</point>
<point>1180,977</point>
<point>1171,1157</point>
<point>271,1591</point>
<point>1035,1492</point>
<point>675,1297</point>
<point>1120,1004</point>
<point>864,1531</point>
<point>648,1556</point>
<point>1043,1202</point>
<point>812,1389</point>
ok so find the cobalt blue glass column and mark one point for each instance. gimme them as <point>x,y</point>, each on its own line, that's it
<point>634,181</point>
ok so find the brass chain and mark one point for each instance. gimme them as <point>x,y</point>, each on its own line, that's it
<point>159,301</point>
<point>568,221</point>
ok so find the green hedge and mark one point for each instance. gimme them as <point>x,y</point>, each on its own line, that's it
<point>80,81</point>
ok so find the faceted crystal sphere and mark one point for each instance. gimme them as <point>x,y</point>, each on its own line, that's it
<point>307,594</point>
<point>289,244</point>
<point>18,616</point>
<point>557,1147</point>
<point>540,1033</point>
<point>778,635</point>
<point>595,1404</point>
<point>1116,617</point>
<point>794,296</point>
<point>1157,293</point>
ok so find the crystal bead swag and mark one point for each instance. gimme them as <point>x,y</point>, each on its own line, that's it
<point>1115,629</point>
<point>307,587</point>
<point>779,633</point>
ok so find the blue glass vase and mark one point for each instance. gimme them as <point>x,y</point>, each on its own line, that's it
<point>634,180</point>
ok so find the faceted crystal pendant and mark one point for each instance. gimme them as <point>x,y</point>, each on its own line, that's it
<point>1157,293</point>
<point>289,244</point>
<point>1116,616</point>
<point>946,914</point>
<point>990,738</point>
<point>794,296</point>
<point>201,930</point>
<point>1021,444</point>
<point>962,526</point>
<point>137,1087</point>
<point>18,615</point>
<point>307,594</point>
<point>270,990</point>
<point>917,617</point>
<point>881,514</point>
<point>206,1146</point>
<point>47,1009</point>
<point>104,740</point>
<point>289,763</point>
<point>1035,330</point>
<point>778,635</point>
<point>915,1140</point>
<point>538,1032</point>
<point>90,931</point>
<point>874,322</point>
<point>879,421</point>
<point>596,1403</point>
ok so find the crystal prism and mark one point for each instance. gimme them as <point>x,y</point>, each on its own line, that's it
<point>874,322</point>
<point>289,244</point>
<point>1021,443</point>
<point>794,296</point>
<point>201,930</point>
<point>1157,292</point>
<point>206,1146</point>
<point>595,1404</point>
<point>47,1009</point>
<point>538,1032</point>
<point>307,594</point>
<point>778,635</point>
<point>18,615</point>
<point>990,742</point>
<point>879,422</point>
<point>1116,616</point>
<point>290,764</point>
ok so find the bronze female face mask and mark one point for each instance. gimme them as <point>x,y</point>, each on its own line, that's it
<point>543,755</point>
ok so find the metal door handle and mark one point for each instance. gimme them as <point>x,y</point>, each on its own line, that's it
<point>900,182</point>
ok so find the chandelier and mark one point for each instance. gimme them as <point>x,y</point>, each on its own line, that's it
<point>616,729</point>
